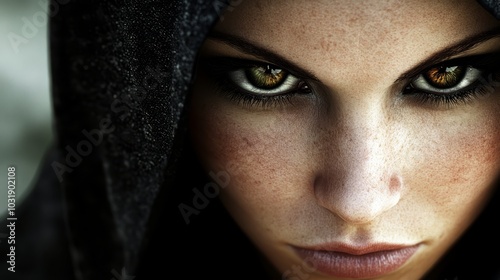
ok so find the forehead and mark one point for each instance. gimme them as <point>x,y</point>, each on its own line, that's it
<point>371,40</point>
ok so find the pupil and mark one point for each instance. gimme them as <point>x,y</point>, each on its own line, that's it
<point>266,77</point>
<point>445,76</point>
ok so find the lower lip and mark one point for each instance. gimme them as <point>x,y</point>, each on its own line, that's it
<point>339,264</point>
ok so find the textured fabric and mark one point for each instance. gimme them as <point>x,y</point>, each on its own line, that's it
<point>493,6</point>
<point>121,73</point>
<point>121,70</point>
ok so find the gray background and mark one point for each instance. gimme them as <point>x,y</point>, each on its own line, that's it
<point>25,106</point>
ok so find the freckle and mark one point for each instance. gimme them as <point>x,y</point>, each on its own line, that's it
<point>394,184</point>
<point>247,141</point>
<point>325,45</point>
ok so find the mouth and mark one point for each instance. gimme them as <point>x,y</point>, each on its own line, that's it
<point>341,260</point>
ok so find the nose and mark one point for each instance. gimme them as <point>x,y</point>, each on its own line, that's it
<point>359,179</point>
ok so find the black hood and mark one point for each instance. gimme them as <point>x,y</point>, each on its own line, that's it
<point>121,71</point>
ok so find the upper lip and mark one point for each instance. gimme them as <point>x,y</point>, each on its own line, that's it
<point>353,249</point>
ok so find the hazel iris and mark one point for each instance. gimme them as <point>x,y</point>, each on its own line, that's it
<point>266,77</point>
<point>445,76</point>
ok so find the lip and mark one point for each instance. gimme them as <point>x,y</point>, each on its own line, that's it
<point>342,260</point>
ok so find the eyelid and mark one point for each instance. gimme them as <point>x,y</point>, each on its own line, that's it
<point>234,63</point>
<point>476,61</point>
<point>479,61</point>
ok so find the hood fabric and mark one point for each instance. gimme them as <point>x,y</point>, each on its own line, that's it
<point>102,207</point>
<point>122,70</point>
<point>493,6</point>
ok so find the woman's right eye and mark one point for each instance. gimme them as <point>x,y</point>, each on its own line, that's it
<point>265,80</point>
<point>254,83</point>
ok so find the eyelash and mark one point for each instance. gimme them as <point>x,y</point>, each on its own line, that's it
<point>262,102</point>
<point>219,68</point>
<point>459,97</point>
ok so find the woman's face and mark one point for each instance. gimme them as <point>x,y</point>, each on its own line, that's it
<point>359,138</point>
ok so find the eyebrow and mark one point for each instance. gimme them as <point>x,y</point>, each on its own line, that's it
<point>261,52</point>
<point>450,51</point>
<point>439,56</point>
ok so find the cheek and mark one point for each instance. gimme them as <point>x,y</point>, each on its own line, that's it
<point>265,154</point>
<point>224,141</point>
<point>456,163</point>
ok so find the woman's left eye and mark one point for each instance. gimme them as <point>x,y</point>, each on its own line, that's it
<point>264,80</point>
<point>446,79</point>
<point>456,81</point>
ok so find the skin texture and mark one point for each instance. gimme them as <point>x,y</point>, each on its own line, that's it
<point>355,161</point>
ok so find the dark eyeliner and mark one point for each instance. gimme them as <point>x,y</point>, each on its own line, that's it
<point>487,61</point>
<point>488,64</point>
<point>218,69</point>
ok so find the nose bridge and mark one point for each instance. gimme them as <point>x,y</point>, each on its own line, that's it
<point>363,183</point>
<point>368,145</point>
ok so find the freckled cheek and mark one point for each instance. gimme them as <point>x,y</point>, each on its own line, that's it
<point>263,156</point>
<point>455,166</point>
<point>226,144</point>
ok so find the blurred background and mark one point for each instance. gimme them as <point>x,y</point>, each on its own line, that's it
<point>25,105</point>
